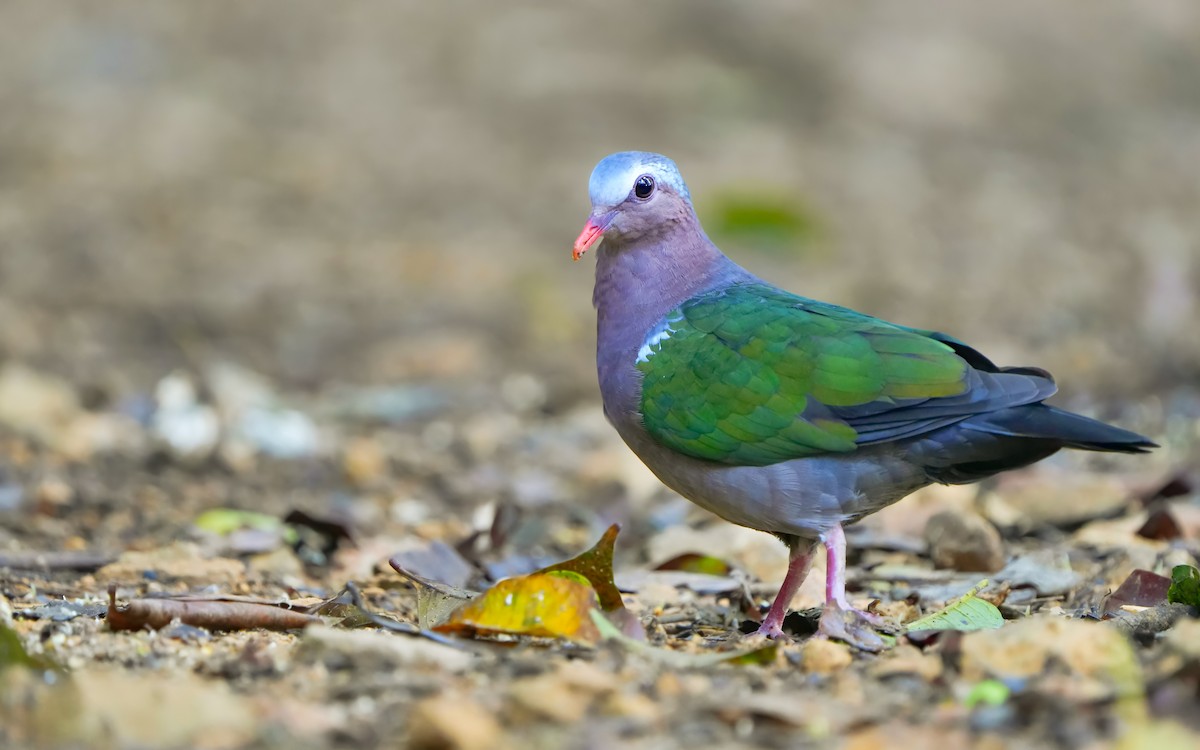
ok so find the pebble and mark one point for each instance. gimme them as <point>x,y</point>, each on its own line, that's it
<point>965,541</point>
<point>189,428</point>
<point>822,656</point>
<point>453,723</point>
<point>364,461</point>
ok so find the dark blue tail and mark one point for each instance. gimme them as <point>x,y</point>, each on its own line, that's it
<point>1069,430</point>
<point>1018,436</point>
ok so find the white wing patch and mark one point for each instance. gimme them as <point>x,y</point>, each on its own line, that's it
<point>654,339</point>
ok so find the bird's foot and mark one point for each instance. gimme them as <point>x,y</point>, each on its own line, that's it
<point>852,626</point>
<point>771,631</point>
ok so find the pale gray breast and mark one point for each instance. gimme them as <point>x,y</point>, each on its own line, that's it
<point>803,497</point>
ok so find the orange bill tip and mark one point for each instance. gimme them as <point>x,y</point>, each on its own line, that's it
<point>592,232</point>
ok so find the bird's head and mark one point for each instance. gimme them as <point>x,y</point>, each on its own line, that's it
<point>633,193</point>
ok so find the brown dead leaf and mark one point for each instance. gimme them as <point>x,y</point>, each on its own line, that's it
<point>212,614</point>
<point>435,600</point>
<point>1176,485</point>
<point>1140,589</point>
<point>1160,524</point>
<point>596,565</point>
<point>433,561</point>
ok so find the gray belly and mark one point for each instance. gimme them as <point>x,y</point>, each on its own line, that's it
<point>803,497</point>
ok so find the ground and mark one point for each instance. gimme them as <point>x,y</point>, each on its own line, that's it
<point>316,268</point>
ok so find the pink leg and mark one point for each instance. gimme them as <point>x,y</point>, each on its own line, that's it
<point>801,558</point>
<point>835,567</point>
<point>840,620</point>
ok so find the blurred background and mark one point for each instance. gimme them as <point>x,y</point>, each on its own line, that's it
<point>378,202</point>
<point>307,191</point>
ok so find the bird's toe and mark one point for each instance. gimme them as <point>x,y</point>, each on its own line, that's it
<point>852,626</point>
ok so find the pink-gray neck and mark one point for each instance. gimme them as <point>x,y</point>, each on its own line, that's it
<point>640,281</point>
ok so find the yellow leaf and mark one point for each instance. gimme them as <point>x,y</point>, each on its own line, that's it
<point>541,605</point>
<point>596,567</point>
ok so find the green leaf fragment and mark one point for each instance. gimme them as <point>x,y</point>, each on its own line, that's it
<point>694,562</point>
<point>228,520</point>
<point>1185,586</point>
<point>987,693</point>
<point>964,614</point>
<point>13,653</point>
<point>225,521</point>
<point>571,575</point>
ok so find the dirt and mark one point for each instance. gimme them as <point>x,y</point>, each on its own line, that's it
<point>314,267</point>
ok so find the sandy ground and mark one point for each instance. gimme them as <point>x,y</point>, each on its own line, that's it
<point>273,257</point>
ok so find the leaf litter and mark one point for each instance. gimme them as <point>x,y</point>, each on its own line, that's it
<point>633,640</point>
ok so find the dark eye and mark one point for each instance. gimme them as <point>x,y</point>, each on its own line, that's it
<point>643,187</point>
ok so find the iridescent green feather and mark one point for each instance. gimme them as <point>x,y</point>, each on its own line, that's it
<point>745,373</point>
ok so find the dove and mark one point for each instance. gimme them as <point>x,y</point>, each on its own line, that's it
<point>782,413</point>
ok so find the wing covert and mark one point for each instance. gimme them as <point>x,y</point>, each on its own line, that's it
<point>752,375</point>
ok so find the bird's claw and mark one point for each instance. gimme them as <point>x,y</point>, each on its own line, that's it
<point>770,631</point>
<point>852,626</point>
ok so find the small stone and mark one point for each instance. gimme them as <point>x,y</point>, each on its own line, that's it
<point>453,722</point>
<point>189,428</point>
<point>1182,639</point>
<point>668,685</point>
<point>51,495</point>
<point>364,461</point>
<point>823,656</point>
<point>550,697</point>
<point>635,707</point>
<point>278,432</point>
<point>586,676</point>
<point>906,659</point>
<point>964,541</point>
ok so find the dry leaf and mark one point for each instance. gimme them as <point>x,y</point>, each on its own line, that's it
<point>213,614</point>
<point>540,605</point>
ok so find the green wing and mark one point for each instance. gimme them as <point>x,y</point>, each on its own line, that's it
<point>752,375</point>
